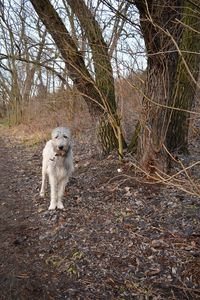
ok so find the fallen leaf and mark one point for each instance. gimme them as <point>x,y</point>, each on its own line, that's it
<point>152,272</point>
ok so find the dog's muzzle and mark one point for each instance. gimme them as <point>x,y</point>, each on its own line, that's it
<point>61,152</point>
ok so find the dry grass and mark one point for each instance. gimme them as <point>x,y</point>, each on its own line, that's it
<point>66,107</point>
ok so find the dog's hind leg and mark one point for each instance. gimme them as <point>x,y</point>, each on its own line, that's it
<point>61,189</point>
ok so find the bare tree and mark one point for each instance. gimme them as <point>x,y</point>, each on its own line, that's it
<point>12,80</point>
<point>98,91</point>
<point>19,63</point>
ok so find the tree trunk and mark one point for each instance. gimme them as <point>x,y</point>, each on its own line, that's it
<point>154,118</point>
<point>159,123</point>
<point>102,65</point>
<point>98,92</point>
<point>185,83</point>
<point>72,57</point>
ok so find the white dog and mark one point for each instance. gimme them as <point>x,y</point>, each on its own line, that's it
<point>58,165</point>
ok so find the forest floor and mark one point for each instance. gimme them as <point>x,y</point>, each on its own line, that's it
<point>119,237</point>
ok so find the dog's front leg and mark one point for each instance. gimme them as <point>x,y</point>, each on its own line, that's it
<point>54,191</point>
<point>61,189</point>
<point>44,179</point>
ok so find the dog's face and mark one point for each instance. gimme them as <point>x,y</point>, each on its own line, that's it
<point>61,140</point>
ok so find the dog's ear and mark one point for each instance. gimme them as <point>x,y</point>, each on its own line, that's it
<point>68,150</point>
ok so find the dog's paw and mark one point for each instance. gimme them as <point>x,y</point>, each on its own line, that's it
<point>52,207</point>
<point>60,205</point>
<point>42,194</point>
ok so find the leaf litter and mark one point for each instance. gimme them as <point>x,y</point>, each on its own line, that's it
<point>117,238</point>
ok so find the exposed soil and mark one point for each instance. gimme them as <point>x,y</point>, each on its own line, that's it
<point>118,238</point>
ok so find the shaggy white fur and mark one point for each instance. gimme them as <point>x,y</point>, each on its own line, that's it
<point>58,165</point>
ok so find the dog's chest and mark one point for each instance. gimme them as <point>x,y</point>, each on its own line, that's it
<point>58,167</point>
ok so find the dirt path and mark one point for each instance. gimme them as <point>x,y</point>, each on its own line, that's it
<point>117,238</point>
<point>21,270</point>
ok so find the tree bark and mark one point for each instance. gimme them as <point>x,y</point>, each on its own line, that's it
<point>102,65</point>
<point>159,123</point>
<point>185,83</point>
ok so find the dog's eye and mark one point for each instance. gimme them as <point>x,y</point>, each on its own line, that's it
<point>65,136</point>
<point>56,136</point>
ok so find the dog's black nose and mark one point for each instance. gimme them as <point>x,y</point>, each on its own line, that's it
<point>60,147</point>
